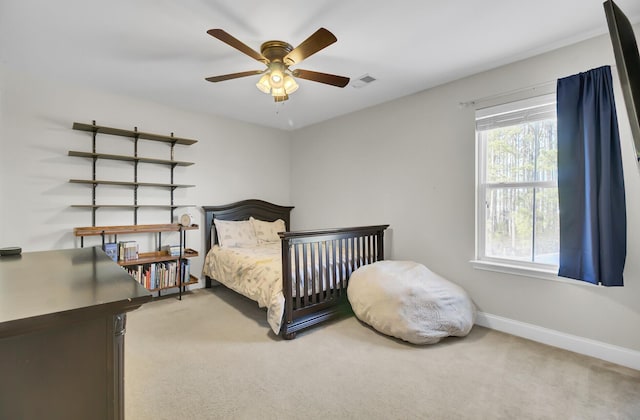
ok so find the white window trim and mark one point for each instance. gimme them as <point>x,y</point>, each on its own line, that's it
<point>532,272</point>
<point>516,269</point>
<point>482,262</point>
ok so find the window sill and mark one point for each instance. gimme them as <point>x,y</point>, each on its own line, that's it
<point>517,270</point>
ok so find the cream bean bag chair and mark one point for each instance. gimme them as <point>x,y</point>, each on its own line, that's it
<point>406,300</point>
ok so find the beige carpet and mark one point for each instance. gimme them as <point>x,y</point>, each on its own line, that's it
<point>212,356</point>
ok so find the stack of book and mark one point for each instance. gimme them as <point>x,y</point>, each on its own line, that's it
<point>161,275</point>
<point>173,250</point>
<point>128,250</point>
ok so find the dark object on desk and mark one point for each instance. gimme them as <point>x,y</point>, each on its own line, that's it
<point>62,324</point>
<point>12,250</point>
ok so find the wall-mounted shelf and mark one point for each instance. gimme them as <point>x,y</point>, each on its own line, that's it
<point>135,184</point>
<point>129,206</point>
<point>146,259</point>
<point>127,229</point>
<point>129,158</point>
<point>125,183</point>
<point>93,128</point>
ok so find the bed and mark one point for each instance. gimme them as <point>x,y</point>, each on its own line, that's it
<point>302,278</point>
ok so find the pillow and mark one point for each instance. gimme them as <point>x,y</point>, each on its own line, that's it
<point>235,234</point>
<point>267,232</point>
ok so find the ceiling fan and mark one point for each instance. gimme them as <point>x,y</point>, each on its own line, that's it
<point>277,79</point>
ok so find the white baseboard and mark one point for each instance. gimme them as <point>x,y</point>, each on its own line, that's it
<point>609,352</point>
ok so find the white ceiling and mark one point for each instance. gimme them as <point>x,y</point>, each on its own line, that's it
<point>159,49</point>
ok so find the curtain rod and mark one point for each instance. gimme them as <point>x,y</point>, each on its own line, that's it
<point>532,88</point>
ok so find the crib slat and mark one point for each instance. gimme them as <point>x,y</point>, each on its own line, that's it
<point>365,250</point>
<point>356,254</point>
<point>359,261</point>
<point>368,251</point>
<point>305,275</point>
<point>312,268</point>
<point>373,249</point>
<point>321,286</point>
<point>347,263</point>
<point>351,258</point>
<point>320,272</point>
<point>317,268</point>
<point>296,260</point>
<point>325,269</point>
<point>340,266</point>
<point>336,268</point>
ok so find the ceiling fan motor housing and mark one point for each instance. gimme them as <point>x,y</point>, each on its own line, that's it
<point>275,50</point>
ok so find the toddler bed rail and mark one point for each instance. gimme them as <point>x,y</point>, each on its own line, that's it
<point>316,267</point>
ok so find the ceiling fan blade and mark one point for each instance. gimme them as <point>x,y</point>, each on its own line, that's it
<point>320,39</point>
<point>238,45</point>
<point>233,75</point>
<point>329,79</point>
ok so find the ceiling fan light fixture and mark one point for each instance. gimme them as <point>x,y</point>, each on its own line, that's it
<point>276,92</point>
<point>276,78</point>
<point>277,82</point>
<point>290,84</point>
<point>263,84</point>
<point>276,71</point>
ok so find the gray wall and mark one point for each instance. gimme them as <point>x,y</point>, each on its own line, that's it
<point>233,161</point>
<point>411,163</point>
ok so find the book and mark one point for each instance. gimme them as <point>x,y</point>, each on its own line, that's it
<point>185,275</point>
<point>111,249</point>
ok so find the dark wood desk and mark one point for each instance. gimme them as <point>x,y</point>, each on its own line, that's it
<point>62,324</point>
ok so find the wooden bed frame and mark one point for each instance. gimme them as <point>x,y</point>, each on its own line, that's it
<point>359,245</point>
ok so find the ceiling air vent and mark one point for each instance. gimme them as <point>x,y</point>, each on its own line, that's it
<point>363,81</point>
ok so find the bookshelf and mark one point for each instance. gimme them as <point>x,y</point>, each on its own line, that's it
<point>153,262</point>
<point>135,185</point>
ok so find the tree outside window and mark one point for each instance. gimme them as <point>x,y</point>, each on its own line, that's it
<point>517,186</point>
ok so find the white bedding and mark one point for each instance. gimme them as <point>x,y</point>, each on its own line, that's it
<point>256,273</point>
<point>253,272</point>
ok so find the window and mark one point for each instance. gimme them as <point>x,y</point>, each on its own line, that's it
<point>517,192</point>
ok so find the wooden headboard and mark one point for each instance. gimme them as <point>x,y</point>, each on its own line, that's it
<point>242,210</point>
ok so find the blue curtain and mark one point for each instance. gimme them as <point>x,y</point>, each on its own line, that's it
<point>593,221</point>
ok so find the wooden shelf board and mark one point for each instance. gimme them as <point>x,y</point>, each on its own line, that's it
<point>130,206</point>
<point>154,257</point>
<point>192,280</point>
<point>128,158</point>
<point>126,183</point>
<point>149,258</point>
<point>131,133</point>
<point>189,253</point>
<point>127,229</point>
